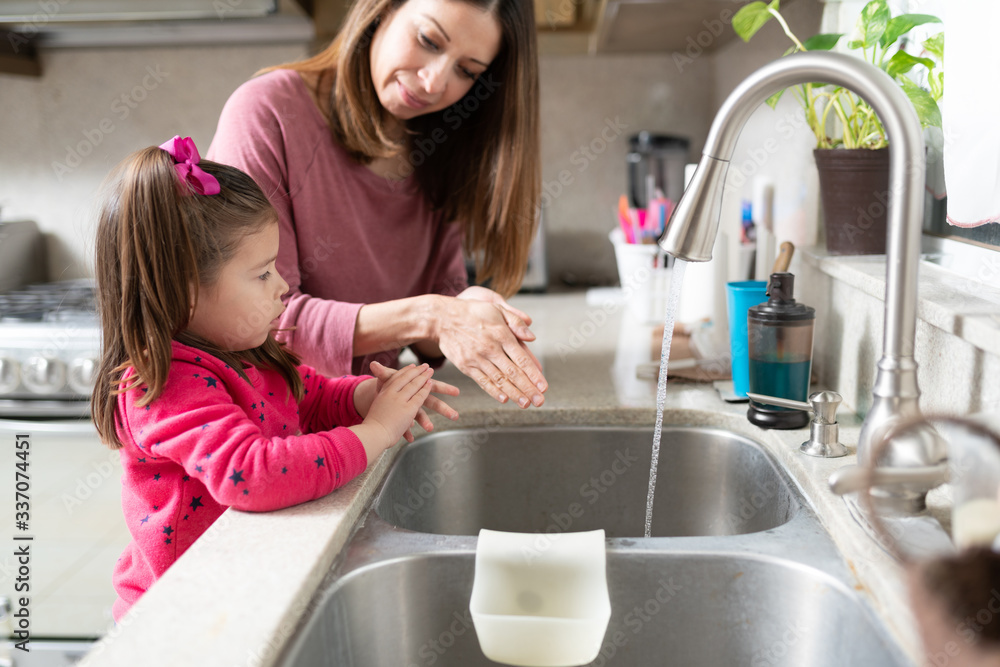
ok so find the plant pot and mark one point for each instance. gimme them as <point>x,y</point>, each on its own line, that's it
<point>854,186</point>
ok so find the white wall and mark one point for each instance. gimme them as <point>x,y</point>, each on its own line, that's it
<point>62,133</point>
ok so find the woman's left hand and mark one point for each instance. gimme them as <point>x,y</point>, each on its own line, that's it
<point>517,320</point>
<point>382,375</point>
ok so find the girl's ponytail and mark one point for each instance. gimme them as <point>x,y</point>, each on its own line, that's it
<point>158,241</point>
<point>145,267</point>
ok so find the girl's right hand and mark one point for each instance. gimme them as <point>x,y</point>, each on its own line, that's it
<point>397,402</point>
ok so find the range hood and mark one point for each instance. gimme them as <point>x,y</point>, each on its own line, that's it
<point>95,23</point>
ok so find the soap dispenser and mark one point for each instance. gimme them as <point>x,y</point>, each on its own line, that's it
<point>780,333</point>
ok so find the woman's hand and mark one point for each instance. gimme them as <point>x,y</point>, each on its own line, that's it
<point>383,375</point>
<point>484,337</point>
<point>517,320</point>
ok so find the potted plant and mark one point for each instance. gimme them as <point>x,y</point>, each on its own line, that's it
<point>852,153</point>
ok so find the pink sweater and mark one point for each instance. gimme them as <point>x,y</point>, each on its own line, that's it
<point>212,440</point>
<point>348,236</point>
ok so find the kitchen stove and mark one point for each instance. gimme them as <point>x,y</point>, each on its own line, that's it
<point>49,346</point>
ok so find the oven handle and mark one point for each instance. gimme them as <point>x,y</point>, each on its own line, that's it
<point>78,428</point>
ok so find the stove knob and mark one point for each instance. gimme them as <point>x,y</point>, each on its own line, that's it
<point>44,375</point>
<point>82,373</point>
<point>10,375</point>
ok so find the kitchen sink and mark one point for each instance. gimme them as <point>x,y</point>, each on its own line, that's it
<point>546,479</point>
<point>710,608</point>
<point>739,570</point>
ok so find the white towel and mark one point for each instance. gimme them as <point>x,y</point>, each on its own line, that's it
<point>969,111</point>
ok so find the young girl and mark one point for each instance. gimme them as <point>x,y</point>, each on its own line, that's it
<point>206,408</point>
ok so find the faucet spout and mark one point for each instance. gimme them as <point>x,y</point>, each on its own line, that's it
<point>694,225</point>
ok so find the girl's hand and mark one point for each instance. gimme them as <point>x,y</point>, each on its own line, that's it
<point>383,374</point>
<point>485,337</point>
<point>395,405</point>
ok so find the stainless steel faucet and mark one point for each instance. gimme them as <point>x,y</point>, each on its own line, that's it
<point>695,223</point>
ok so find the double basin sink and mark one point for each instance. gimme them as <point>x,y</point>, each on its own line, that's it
<point>738,570</point>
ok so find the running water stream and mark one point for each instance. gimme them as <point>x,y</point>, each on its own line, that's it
<point>676,281</point>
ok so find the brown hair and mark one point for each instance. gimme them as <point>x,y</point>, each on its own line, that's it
<point>157,243</point>
<point>478,163</point>
<point>965,584</point>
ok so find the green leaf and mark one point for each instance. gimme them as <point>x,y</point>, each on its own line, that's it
<point>935,45</point>
<point>902,24</point>
<point>822,41</point>
<point>772,101</point>
<point>902,62</point>
<point>927,108</point>
<point>872,22</point>
<point>855,44</point>
<point>751,18</point>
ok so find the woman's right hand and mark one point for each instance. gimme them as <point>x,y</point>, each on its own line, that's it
<point>478,336</point>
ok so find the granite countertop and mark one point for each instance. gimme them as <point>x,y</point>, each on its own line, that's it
<point>239,592</point>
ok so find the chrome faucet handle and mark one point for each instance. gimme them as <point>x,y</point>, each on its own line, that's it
<point>824,432</point>
<point>850,479</point>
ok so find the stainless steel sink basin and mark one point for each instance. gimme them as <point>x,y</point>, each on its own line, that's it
<point>559,479</point>
<point>740,571</point>
<point>667,609</point>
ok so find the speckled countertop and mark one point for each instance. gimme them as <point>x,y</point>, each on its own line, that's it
<point>239,592</point>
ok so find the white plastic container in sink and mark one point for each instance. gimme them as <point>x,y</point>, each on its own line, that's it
<point>540,600</point>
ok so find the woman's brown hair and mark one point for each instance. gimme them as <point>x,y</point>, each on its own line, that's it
<point>157,243</point>
<point>476,161</point>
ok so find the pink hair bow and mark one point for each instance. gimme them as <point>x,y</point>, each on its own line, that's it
<point>186,156</point>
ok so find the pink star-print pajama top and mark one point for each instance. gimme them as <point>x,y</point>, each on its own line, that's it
<point>214,440</point>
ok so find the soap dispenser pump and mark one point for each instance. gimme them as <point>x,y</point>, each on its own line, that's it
<point>780,333</point>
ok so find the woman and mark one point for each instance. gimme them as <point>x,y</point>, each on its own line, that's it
<point>413,136</point>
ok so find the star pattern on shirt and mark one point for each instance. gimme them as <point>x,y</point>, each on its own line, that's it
<point>156,477</point>
<point>237,476</point>
<point>284,469</point>
<point>319,461</point>
<point>210,380</point>
<point>198,469</point>
<point>142,460</point>
<point>144,520</point>
<point>196,503</point>
<point>167,530</point>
